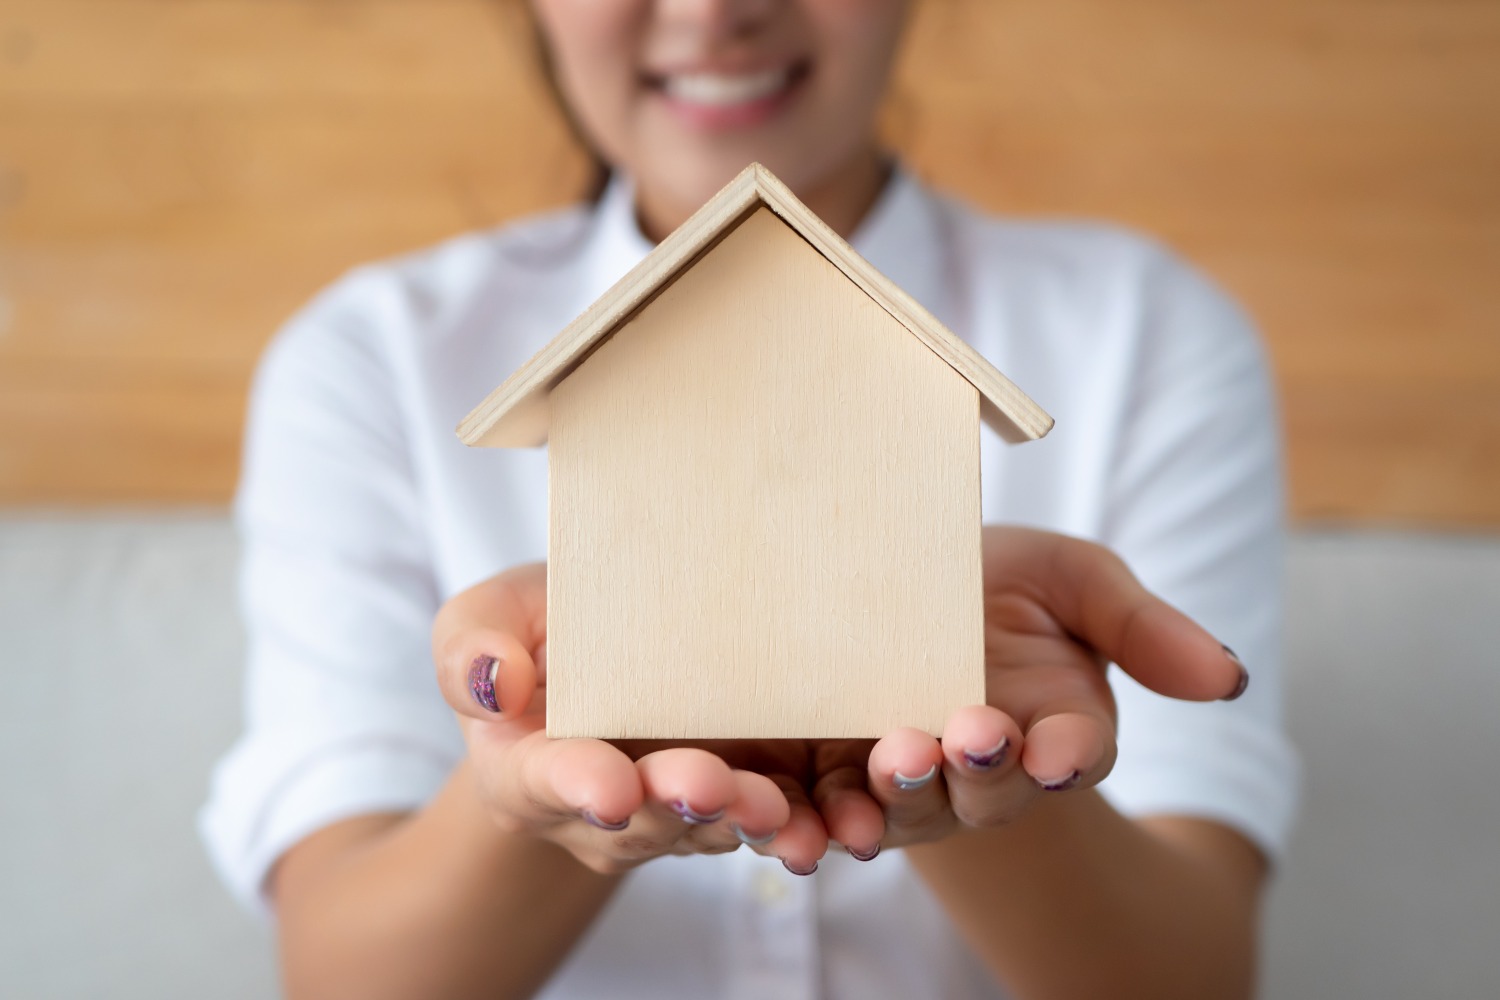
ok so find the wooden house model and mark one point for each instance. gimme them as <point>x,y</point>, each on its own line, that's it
<point>763,489</point>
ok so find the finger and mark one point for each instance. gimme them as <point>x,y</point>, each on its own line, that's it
<point>693,785</point>
<point>486,673</point>
<point>535,782</point>
<point>850,813</point>
<point>756,816</point>
<point>982,748</point>
<point>830,755</point>
<point>905,777</point>
<point>680,788</point>
<point>1095,597</point>
<point>1069,750</point>
<point>803,841</point>
<point>483,640</point>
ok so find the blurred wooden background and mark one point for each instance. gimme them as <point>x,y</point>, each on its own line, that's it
<point>176,176</point>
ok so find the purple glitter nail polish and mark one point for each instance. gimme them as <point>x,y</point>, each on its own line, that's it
<point>1061,784</point>
<point>799,871</point>
<point>862,856</point>
<point>590,818</point>
<point>693,816</point>
<point>1244,680</point>
<point>482,673</point>
<point>988,760</point>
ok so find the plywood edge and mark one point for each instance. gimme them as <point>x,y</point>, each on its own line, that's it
<point>1004,407</point>
<point>515,415</point>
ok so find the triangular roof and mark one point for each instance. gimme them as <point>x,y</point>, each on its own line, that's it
<point>516,415</point>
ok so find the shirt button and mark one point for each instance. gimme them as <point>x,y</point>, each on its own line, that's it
<point>769,888</point>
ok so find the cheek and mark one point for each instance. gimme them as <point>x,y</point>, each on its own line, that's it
<point>856,22</point>
<point>592,48</point>
<point>602,98</point>
<point>858,40</point>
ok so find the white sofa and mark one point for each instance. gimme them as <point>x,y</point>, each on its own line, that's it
<point>118,642</point>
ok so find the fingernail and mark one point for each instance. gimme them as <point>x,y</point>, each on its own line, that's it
<point>988,760</point>
<point>908,784</point>
<point>747,839</point>
<point>1244,680</point>
<point>862,855</point>
<point>798,871</point>
<point>482,673</point>
<point>603,824</point>
<point>693,816</point>
<point>1061,784</point>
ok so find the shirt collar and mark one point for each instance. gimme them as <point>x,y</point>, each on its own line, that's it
<point>899,236</point>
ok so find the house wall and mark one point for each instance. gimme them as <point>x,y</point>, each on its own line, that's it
<point>176,177</point>
<point>764,513</point>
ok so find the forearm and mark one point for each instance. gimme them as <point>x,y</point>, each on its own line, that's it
<point>1076,900</point>
<point>437,903</point>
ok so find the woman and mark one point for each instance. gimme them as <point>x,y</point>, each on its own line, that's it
<point>405,857</point>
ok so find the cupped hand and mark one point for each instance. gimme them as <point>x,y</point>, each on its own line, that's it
<point>612,806</point>
<point>1058,610</point>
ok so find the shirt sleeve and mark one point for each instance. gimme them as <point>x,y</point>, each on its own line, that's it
<point>343,713</point>
<point>1194,503</point>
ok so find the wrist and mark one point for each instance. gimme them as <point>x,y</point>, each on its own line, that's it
<point>413,904</point>
<point>1165,903</point>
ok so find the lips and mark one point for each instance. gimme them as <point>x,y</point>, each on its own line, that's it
<point>721,90</point>
<point>718,99</point>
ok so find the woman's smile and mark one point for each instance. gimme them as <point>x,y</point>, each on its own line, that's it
<point>679,96</point>
<point>712,99</point>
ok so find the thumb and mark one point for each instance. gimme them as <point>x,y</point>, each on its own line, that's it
<point>1094,596</point>
<point>485,640</point>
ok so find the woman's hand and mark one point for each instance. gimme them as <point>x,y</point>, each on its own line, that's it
<point>1057,611</point>
<point>612,808</point>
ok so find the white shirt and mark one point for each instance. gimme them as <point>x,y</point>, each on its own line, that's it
<point>361,512</point>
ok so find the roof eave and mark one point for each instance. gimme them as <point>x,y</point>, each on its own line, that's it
<point>516,415</point>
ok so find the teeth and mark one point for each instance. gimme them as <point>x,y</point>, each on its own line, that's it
<point>719,90</point>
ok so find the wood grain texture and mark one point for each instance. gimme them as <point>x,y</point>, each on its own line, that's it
<point>1007,410</point>
<point>764,512</point>
<point>515,414</point>
<point>176,177</point>
<point>1332,162</point>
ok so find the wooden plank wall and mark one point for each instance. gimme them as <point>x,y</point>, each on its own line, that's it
<point>177,175</point>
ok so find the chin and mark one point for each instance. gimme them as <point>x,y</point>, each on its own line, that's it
<point>696,176</point>
<point>693,180</point>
